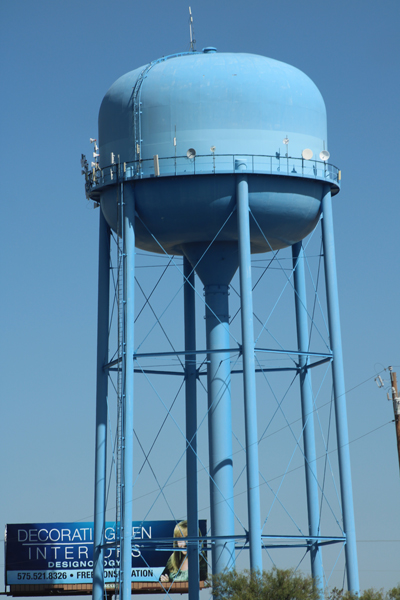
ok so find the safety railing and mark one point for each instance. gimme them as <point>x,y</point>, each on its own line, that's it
<point>217,164</point>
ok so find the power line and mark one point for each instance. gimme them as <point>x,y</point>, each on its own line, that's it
<point>272,479</point>
<point>273,433</point>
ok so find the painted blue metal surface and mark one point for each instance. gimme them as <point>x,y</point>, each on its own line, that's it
<point>206,117</point>
<point>340,393</point>
<point>249,381</point>
<point>307,410</point>
<point>191,428</point>
<point>128,203</point>
<point>239,103</point>
<point>216,268</point>
<point>101,409</point>
<point>183,210</point>
<point>222,106</point>
<point>220,428</point>
<point>215,164</point>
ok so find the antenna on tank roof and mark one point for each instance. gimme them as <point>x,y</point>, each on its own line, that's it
<point>192,40</point>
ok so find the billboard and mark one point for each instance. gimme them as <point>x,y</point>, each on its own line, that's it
<point>62,553</point>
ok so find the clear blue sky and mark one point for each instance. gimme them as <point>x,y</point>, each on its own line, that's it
<point>58,60</point>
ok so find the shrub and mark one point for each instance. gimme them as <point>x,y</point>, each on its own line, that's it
<point>277,584</point>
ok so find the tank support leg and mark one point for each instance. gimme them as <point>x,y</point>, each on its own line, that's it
<point>220,427</point>
<point>307,409</point>
<point>127,386</point>
<point>191,429</point>
<point>249,381</point>
<point>339,393</point>
<point>101,408</point>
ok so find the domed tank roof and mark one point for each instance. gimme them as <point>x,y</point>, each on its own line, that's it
<point>235,103</point>
<point>181,128</point>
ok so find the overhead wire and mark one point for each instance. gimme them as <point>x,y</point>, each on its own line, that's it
<point>349,390</point>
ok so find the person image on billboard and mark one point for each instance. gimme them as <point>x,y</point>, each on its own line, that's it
<point>177,567</point>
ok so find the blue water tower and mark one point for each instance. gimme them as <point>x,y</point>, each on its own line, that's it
<point>190,146</point>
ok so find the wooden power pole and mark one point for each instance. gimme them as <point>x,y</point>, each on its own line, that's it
<point>396,407</point>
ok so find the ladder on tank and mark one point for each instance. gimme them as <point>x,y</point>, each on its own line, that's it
<point>136,107</point>
<point>137,120</point>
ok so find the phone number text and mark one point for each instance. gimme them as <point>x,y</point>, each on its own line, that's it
<point>42,576</point>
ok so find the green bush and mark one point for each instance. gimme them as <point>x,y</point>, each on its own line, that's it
<point>269,585</point>
<point>370,594</point>
<point>286,584</point>
<point>394,593</point>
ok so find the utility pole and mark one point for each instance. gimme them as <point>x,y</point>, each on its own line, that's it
<point>396,407</point>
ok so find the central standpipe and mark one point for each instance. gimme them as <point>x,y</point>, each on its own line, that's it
<point>220,426</point>
<point>216,266</point>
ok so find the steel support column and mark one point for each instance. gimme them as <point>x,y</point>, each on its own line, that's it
<point>101,408</point>
<point>307,409</point>
<point>220,427</point>
<point>128,219</point>
<point>191,429</point>
<point>249,380</point>
<point>339,392</point>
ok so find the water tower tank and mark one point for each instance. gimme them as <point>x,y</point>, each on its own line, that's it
<point>221,154</point>
<point>211,115</point>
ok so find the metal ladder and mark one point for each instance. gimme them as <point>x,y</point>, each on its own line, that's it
<point>136,106</point>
